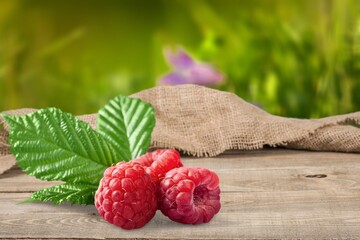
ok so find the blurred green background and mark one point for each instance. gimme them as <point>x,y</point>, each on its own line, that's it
<point>293,58</point>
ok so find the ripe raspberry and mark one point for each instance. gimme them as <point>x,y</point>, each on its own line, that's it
<point>126,196</point>
<point>190,195</point>
<point>159,162</point>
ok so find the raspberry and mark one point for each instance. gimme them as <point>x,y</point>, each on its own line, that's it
<point>190,195</point>
<point>126,196</point>
<point>159,162</point>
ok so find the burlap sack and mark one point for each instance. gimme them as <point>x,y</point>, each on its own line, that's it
<point>205,122</point>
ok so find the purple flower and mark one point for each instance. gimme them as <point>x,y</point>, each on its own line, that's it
<point>186,70</point>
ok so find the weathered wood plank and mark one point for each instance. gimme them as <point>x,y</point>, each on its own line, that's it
<point>279,170</point>
<point>15,180</point>
<point>6,162</point>
<point>268,215</point>
<point>233,179</point>
<point>267,194</point>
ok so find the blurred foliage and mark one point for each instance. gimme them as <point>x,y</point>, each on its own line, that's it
<point>293,58</point>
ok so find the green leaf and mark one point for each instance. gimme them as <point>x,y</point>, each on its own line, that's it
<point>76,193</point>
<point>52,145</point>
<point>127,124</point>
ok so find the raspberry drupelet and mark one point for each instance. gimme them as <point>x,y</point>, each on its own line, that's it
<point>159,162</point>
<point>126,196</point>
<point>190,195</point>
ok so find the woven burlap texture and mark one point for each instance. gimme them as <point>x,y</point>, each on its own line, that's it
<point>205,122</point>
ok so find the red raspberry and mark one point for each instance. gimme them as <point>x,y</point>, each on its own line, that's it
<point>190,195</point>
<point>159,162</point>
<point>126,196</point>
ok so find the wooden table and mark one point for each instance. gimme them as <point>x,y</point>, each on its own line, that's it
<point>266,194</point>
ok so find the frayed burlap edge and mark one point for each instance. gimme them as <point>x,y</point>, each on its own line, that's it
<point>200,121</point>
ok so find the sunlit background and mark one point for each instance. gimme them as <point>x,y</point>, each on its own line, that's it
<point>292,58</point>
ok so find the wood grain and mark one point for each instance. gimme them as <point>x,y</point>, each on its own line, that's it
<point>6,162</point>
<point>267,194</point>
